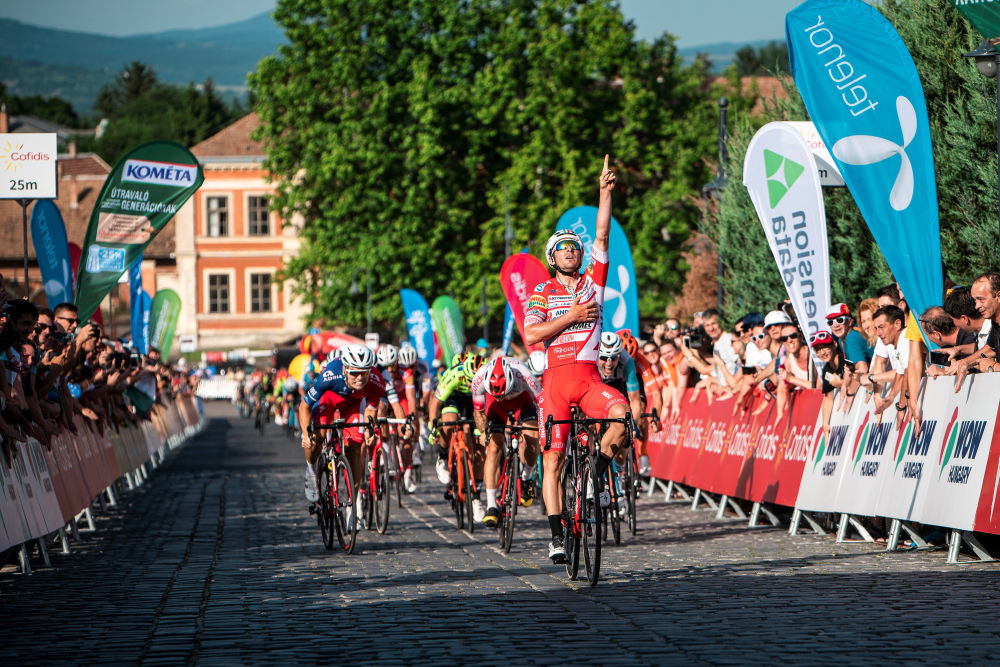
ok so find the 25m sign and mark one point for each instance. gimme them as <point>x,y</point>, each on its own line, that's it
<point>28,166</point>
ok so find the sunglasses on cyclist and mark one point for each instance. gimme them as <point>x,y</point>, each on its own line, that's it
<point>567,244</point>
<point>757,337</point>
<point>791,336</point>
<point>840,319</point>
<point>358,373</point>
<point>604,358</point>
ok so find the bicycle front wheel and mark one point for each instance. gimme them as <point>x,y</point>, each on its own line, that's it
<point>382,492</point>
<point>571,542</point>
<point>508,502</point>
<point>326,512</point>
<point>631,483</point>
<point>590,521</point>
<point>612,514</point>
<point>467,490</point>
<point>342,504</point>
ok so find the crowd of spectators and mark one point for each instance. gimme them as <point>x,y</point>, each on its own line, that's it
<point>876,348</point>
<point>55,370</point>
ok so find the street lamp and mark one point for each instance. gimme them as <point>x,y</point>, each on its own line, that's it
<point>987,62</point>
<point>715,188</point>
<point>353,290</point>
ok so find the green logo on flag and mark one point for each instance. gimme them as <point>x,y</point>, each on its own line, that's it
<point>781,175</point>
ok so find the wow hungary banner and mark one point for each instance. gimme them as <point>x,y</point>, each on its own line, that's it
<point>621,289</point>
<point>447,318</point>
<point>163,315</point>
<point>143,191</point>
<point>781,176</point>
<point>48,234</point>
<point>863,93</point>
<point>518,276</point>
<point>418,324</point>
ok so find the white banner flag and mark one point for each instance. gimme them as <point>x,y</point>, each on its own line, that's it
<point>780,173</point>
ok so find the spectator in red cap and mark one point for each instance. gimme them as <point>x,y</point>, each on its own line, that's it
<point>857,351</point>
<point>830,353</point>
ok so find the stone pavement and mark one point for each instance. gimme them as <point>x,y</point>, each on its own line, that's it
<point>216,561</point>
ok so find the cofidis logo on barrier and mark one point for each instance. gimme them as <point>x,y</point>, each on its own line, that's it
<point>861,89</point>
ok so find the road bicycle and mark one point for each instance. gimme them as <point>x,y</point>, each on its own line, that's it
<point>395,451</point>
<point>374,492</point>
<point>509,483</point>
<point>335,509</point>
<point>582,512</point>
<point>462,487</point>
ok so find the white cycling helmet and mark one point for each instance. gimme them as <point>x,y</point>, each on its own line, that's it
<point>611,344</point>
<point>291,384</point>
<point>334,354</point>
<point>499,376</point>
<point>561,235</point>
<point>536,362</point>
<point>407,356</point>
<point>387,355</point>
<point>357,355</point>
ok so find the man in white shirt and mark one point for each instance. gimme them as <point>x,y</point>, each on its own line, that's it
<point>890,324</point>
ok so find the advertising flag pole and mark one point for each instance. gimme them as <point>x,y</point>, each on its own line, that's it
<point>24,231</point>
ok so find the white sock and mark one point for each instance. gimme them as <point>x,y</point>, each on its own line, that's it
<point>491,498</point>
<point>643,461</point>
<point>527,472</point>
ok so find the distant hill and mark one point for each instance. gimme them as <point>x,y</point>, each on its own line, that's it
<point>722,54</point>
<point>36,60</point>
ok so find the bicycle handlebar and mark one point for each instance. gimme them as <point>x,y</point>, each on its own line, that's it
<point>339,423</point>
<point>458,422</point>
<point>514,428</point>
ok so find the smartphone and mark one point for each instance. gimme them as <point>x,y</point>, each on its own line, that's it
<point>849,365</point>
<point>939,358</point>
<point>749,370</point>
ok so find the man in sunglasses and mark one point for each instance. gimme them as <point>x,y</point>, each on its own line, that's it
<point>565,314</point>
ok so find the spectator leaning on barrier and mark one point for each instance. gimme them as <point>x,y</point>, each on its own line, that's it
<point>985,292</point>
<point>889,323</point>
<point>940,329</point>
<point>960,305</point>
<point>866,311</point>
<point>830,353</point>
<point>67,315</point>
<point>795,370</point>
<point>856,349</point>
<point>722,344</point>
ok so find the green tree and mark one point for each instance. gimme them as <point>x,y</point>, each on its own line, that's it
<point>401,133</point>
<point>768,59</point>
<point>962,115</point>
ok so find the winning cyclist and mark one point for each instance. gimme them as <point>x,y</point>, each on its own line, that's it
<point>348,386</point>
<point>453,400</point>
<point>565,313</point>
<point>502,389</point>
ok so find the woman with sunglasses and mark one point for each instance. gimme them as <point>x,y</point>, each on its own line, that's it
<point>828,350</point>
<point>794,372</point>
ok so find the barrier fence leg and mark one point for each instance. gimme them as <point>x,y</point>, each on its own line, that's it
<point>64,540</point>
<point>957,537</point>
<point>90,520</point>
<point>797,516</point>
<point>112,501</point>
<point>730,503</point>
<point>22,556</point>
<point>758,509</point>
<point>673,488</point>
<point>846,521</point>
<point>700,495</point>
<point>723,502</point>
<point>44,552</point>
<point>100,501</point>
<point>657,484</point>
<point>74,529</point>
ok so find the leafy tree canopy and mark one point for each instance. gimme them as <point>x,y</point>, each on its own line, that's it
<point>401,132</point>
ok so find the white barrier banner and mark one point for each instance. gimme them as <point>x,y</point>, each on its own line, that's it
<point>779,173</point>
<point>828,457</point>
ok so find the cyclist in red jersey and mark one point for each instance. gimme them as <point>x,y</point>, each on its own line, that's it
<point>565,314</point>
<point>388,360</point>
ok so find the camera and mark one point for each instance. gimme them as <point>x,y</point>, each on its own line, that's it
<point>695,338</point>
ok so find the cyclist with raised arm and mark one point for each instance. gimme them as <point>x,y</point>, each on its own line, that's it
<point>346,385</point>
<point>565,313</point>
<point>452,400</point>
<point>503,389</point>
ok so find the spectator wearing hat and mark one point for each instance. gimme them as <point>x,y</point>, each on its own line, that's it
<point>773,322</point>
<point>829,351</point>
<point>857,351</point>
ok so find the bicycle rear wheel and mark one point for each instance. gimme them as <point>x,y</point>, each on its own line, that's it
<point>457,503</point>
<point>467,490</point>
<point>590,521</point>
<point>382,492</point>
<point>397,469</point>
<point>508,501</point>
<point>343,514</point>
<point>612,514</point>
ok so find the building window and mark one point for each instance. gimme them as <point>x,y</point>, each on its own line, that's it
<point>218,216</point>
<point>260,292</point>
<point>258,224</point>
<point>218,293</point>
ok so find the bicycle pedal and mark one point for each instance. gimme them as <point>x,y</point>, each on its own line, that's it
<point>314,509</point>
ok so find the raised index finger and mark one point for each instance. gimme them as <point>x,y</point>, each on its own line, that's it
<point>605,162</point>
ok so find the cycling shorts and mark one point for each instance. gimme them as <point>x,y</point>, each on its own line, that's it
<point>568,384</point>
<point>521,408</point>
<point>460,404</point>
<point>332,406</point>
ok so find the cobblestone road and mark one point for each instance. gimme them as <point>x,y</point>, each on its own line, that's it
<point>216,561</point>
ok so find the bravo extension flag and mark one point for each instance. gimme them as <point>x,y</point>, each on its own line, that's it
<point>143,191</point>
<point>781,176</point>
<point>518,276</point>
<point>163,316</point>
<point>448,325</point>
<point>418,324</point>
<point>48,234</point>
<point>863,93</point>
<point>621,296</point>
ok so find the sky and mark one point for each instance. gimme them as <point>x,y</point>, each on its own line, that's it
<point>693,22</point>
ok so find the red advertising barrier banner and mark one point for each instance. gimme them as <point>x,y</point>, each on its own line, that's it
<point>725,448</point>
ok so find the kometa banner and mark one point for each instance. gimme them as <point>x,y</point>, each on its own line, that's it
<point>868,106</point>
<point>621,289</point>
<point>784,186</point>
<point>447,318</point>
<point>141,194</point>
<point>48,235</point>
<point>163,315</point>
<point>418,324</point>
<point>519,275</point>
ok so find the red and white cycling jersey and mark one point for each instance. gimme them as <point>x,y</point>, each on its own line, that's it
<point>578,342</point>
<point>524,381</point>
